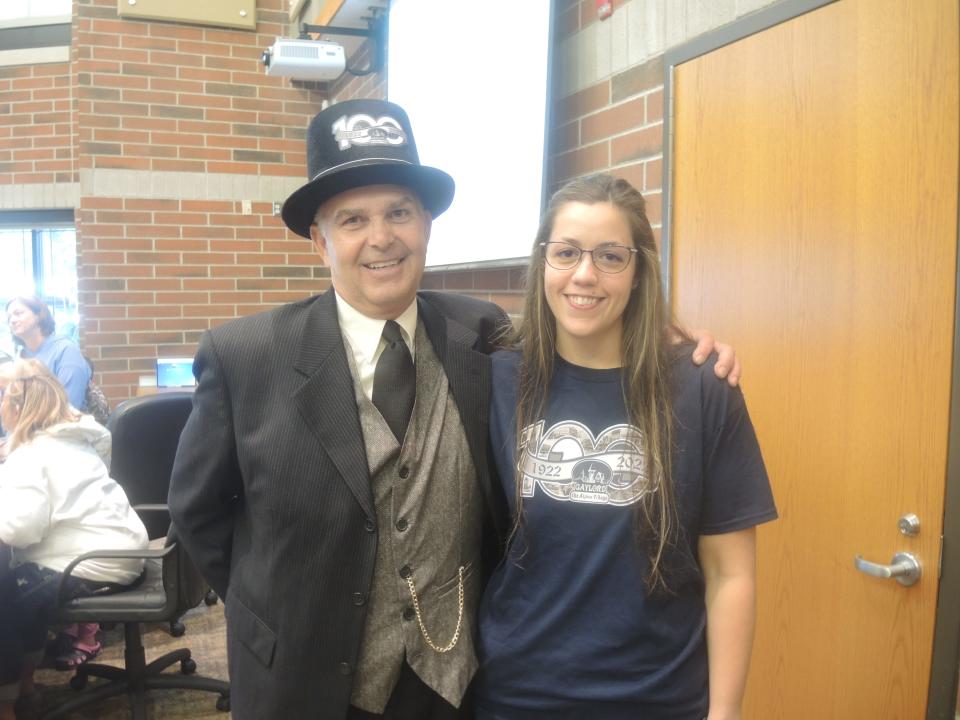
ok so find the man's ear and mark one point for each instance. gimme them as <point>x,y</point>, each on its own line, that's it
<point>319,242</point>
<point>428,225</point>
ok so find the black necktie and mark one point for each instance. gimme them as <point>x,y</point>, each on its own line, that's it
<point>394,381</point>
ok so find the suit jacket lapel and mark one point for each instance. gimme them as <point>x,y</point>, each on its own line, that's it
<point>326,399</point>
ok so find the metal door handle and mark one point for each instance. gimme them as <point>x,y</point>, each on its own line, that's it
<point>904,567</point>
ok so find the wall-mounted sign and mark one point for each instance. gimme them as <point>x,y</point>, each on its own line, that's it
<point>240,14</point>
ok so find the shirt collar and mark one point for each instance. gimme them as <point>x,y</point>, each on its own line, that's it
<point>364,332</point>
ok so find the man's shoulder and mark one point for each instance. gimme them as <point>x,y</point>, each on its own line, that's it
<point>486,319</point>
<point>279,327</point>
<point>483,316</point>
<point>251,325</point>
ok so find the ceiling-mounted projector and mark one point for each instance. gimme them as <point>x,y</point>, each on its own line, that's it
<point>305,59</point>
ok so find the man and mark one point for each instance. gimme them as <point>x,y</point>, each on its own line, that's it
<point>345,525</point>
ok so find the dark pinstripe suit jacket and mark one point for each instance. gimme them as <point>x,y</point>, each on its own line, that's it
<point>271,494</point>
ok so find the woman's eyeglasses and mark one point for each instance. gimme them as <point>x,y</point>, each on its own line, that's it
<point>610,259</point>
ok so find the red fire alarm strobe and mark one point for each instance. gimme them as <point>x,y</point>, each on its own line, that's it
<point>604,9</point>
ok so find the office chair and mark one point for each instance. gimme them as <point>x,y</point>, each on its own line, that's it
<point>169,586</point>
<point>146,431</point>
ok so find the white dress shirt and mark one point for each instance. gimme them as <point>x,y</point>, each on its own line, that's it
<point>363,337</point>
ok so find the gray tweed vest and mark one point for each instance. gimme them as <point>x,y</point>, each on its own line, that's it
<point>428,500</point>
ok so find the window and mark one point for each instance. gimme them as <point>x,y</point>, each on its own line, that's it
<point>33,32</point>
<point>43,262</point>
<point>19,9</point>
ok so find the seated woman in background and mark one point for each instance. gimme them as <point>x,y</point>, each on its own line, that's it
<point>32,326</point>
<point>57,501</point>
<point>635,481</point>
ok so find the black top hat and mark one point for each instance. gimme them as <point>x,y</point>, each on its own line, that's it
<point>357,143</point>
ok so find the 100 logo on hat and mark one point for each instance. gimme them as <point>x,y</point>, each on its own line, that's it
<point>364,130</point>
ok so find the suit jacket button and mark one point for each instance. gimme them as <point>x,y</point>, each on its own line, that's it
<point>404,472</point>
<point>345,668</point>
<point>359,598</point>
<point>409,614</point>
<point>401,524</point>
<point>405,572</point>
<point>370,526</point>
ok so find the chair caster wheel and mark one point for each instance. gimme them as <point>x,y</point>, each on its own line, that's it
<point>188,666</point>
<point>210,599</point>
<point>78,681</point>
<point>223,703</point>
<point>177,629</point>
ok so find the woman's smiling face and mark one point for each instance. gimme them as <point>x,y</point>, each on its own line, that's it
<point>588,304</point>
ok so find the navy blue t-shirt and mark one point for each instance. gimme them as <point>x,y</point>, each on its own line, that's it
<point>567,626</point>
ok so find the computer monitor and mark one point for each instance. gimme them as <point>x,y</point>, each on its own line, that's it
<point>175,372</point>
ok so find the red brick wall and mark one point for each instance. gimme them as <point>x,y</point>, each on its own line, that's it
<point>502,286</point>
<point>360,86</point>
<point>156,273</point>
<point>615,125</point>
<point>36,138</point>
<point>573,15</point>
<point>162,97</point>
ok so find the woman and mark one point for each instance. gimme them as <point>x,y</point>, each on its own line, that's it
<point>635,481</point>
<point>32,326</point>
<point>57,501</point>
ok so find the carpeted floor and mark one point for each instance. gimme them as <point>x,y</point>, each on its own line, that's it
<point>204,637</point>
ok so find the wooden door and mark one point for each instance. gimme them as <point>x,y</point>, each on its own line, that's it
<point>814,226</point>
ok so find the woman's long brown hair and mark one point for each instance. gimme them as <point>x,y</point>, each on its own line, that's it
<point>647,341</point>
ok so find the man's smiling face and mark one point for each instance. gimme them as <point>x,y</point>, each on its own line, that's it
<point>374,240</point>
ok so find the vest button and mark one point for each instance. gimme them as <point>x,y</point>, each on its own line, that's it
<point>344,668</point>
<point>402,524</point>
<point>409,614</point>
<point>404,472</point>
<point>359,598</point>
<point>370,526</point>
<point>405,572</point>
